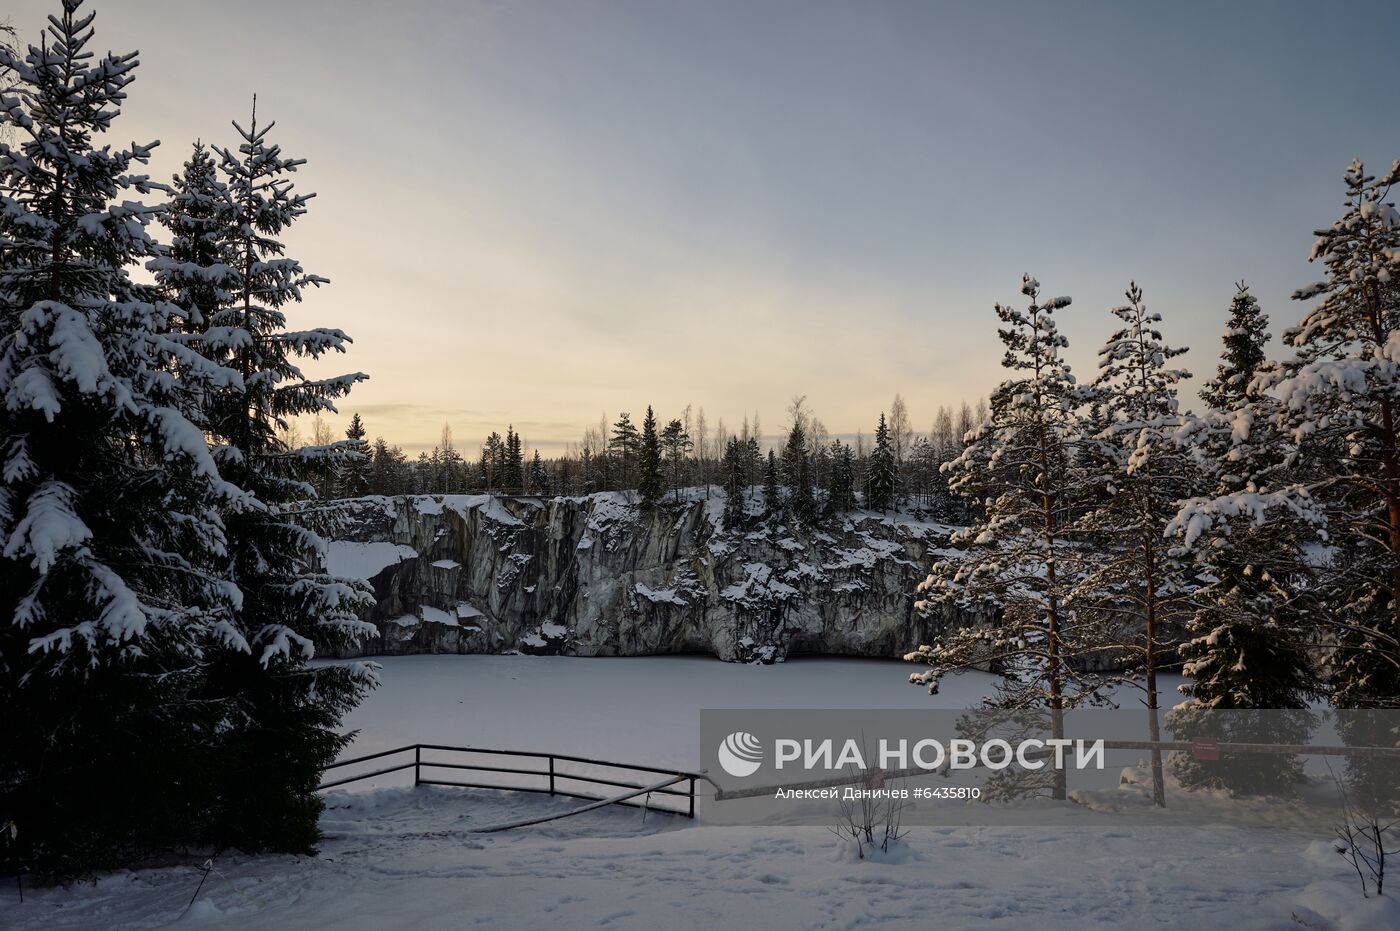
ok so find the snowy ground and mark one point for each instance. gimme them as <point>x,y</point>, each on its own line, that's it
<point>406,858</point>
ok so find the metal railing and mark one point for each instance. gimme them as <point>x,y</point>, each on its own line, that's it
<point>556,775</point>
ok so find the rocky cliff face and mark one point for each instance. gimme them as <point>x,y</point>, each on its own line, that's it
<point>591,576</point>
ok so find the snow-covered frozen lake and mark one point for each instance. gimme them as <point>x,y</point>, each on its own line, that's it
<point>409,858</point>
<point>643,710</point>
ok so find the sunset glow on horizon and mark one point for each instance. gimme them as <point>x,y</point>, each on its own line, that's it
<point>562,212</point>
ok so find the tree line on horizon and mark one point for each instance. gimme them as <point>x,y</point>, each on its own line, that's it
<point>809,473</point>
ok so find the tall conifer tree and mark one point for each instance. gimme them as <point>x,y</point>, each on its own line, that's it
<point>772,489</point>
<point>1252,630</point>
<point>882,481</point>
<point>735,487</point>
<point>1022,556</point>
<point>1141,474</point>
<point>285,727</point>
<point>110,532</point>
<point>356,473</point>
<point>797,474</point>
<point>651,485</point>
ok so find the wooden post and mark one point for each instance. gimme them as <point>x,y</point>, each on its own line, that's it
<point>551,775</point>
<point>417,764</point>
<point>692,796</point>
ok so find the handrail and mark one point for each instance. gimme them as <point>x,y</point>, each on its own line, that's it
<point>553,774</point>
<point>557,756</point>
<point>616,800</point>
<point>371,756</point>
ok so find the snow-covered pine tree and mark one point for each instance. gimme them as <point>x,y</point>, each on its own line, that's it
<point>1341,399</point>
<point>1139,473</point>
<point>110,536</point>
<point>676,444</point>
<point>651,485</point>
<point>624,444</point>
<point>285,730</point>
<point>1022,556</point>
<point>883,479</point>
<point>1249,635</point>
<point>492,466</point>
<point>355,474</point>
<point>1340,395</point>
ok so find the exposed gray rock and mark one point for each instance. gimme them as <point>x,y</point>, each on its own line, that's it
<point>590,576</point>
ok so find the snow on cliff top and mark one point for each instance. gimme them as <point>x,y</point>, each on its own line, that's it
<point>489,505</point>
<point>364,560</point>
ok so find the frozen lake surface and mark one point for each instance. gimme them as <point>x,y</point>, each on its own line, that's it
<point>642,710</point>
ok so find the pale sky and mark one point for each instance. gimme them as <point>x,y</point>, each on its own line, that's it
<point>537,212</point>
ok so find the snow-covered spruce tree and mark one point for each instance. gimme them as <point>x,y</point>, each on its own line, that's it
<point>651,484</point>
<point>1250,634</point>
<point>110,535</point>
<point>883,479</point>
<point>772,489</point>
<point>515,461</point>
<point>1341,401</point>
<point>284,730</point>
<point>732,469</point>
<point>389,473</point>
<point>537,479</point>
<point>1246,334</point>
<point>841,497</point>
<point>195,272</point>
<point>797,473</point>
<point>1022,557</point>
<point>355,473</point>
<point>753,461</point>
<point>1134,580</point>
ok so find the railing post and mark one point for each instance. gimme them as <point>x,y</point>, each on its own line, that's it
<point>417,764</point>
<point>551,775</point>
<point>692,796</point>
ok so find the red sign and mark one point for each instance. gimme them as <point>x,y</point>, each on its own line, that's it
<point>1205,748</point>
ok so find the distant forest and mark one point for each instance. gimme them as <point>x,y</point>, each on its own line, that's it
<point>811,471</point>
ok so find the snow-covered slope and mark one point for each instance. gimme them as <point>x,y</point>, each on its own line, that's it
<point>591,576</point>
<point>407,858</point>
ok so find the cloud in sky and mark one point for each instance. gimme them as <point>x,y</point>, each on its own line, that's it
<point>533,213</point>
